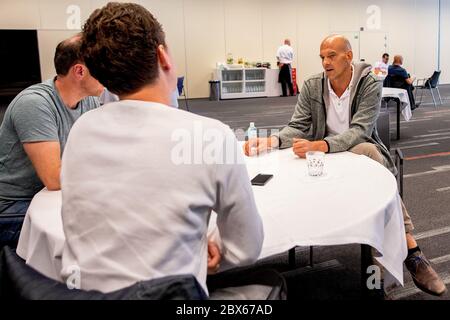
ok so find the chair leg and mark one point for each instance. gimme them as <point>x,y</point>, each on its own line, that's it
<point>439,94</point>
<point>291,255</point>
<point>399,158</point>
<point>399,110</point>
<point>421,95</point>
<point>186,103</point>
<point>432,95</point>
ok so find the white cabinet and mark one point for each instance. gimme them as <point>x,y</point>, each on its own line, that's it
<point>242,83</point>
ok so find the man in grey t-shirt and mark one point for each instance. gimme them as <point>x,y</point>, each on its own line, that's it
<point>35,129</point>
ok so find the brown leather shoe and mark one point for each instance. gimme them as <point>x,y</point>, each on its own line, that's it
<point>423,274</point>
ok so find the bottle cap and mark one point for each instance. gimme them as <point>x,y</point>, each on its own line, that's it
<point>252,124</point>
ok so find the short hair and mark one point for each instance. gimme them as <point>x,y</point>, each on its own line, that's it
<point>398,59</point>
<point>120,43</point>
<point>344,41</point>
<point>385,55</point>
<point>67,54</point>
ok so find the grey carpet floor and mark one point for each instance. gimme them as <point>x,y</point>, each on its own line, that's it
<point>425,141</point>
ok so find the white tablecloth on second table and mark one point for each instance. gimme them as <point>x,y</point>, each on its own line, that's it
<point>356,201</point>
<point>401,94</point>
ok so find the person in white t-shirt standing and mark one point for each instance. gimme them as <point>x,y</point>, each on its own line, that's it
<point>381,67</point>
<point>285,56</point>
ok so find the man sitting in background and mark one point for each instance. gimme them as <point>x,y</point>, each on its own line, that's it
<point>381,67</point>
<point>35,129</point>
<point>131,210</point>
<point>398,77</point>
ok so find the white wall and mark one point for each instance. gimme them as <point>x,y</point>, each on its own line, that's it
<point>170,14</point>
<point>286,28</point>
<point>205,43</point>
<point>47,41</point>
<point>312,27</point>
<point>202,32</point>
<point>425,31</point>
<point>19,14</point>
<point>445,41</point>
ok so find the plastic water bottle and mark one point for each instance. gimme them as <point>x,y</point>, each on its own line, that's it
<point>252,135</point>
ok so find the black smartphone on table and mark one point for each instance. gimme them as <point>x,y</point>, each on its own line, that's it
<point>261,179</point>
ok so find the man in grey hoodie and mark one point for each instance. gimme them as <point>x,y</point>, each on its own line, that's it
<point>337,111</point>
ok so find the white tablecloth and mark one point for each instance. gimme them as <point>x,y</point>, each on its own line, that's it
<point>42,237</point>
<point>273,87</point>
<point>401,94</point>
<point>356,201</point>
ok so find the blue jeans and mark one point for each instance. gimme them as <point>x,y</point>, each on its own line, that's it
<point>12,214</point>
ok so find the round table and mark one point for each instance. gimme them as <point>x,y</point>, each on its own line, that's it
<point>355,201</point>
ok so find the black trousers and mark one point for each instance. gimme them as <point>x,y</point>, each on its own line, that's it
<point>274,283</point>
<point>285,78</point>
<point>12,214</point>
<point>412,102</point>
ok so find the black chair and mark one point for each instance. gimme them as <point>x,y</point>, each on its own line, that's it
<point>395,81</point>
<point>182,91</point>
<point>270,284</point>
<point>19,281</point>
<point>429,84</point>
<point>383,129</point>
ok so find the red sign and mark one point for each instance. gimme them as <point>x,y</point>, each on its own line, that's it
<point>294,80</point>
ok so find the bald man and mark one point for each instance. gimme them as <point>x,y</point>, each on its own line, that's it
<point>397,71</point>
<point>337,111</point>
<point>285,56</point>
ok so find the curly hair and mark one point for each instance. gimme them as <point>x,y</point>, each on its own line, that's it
<point>119,46</point>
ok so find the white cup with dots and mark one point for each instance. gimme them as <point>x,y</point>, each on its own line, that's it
<point>315,161</point>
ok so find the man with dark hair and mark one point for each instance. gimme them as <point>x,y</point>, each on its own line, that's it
<point>35,129</point>
<point>136,205</point>
<point>337,111</point>
<point>382,66</point>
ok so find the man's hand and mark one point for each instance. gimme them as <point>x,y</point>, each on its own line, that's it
<point>260,145</point>
<point>214,257</point>
<point>302,146</point>
<point>410,81</point>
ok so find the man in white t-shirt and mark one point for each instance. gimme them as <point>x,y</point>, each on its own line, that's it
<point>381,67</point>
<point>285,56</point>
<point>140,179</point>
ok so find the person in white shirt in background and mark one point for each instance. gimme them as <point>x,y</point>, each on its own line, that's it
<point>285,56</point>
<point>381,67</point>
<point>136,198</point>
